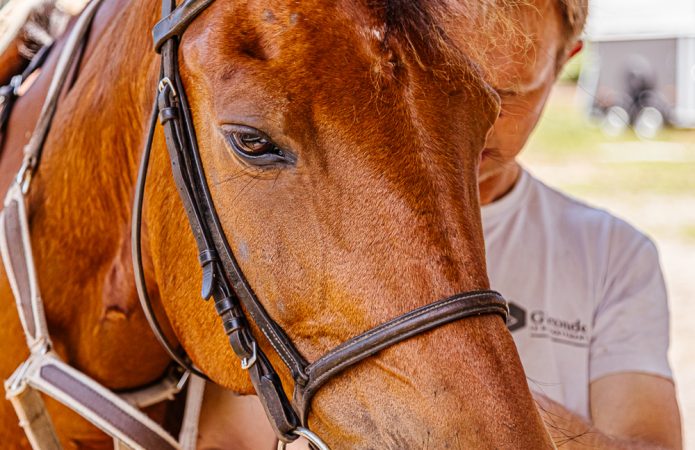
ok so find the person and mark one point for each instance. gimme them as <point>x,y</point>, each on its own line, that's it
<point>588,301</point>
<point>588,304</point>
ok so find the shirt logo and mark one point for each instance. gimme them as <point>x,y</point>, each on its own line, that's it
<point>516,318</point>
<point>542,325</point>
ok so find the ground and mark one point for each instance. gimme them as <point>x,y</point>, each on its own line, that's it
<point>651,184</point>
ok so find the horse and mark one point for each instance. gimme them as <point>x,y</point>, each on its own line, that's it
<point>379,113</point>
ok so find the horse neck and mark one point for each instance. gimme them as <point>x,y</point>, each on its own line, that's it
<point>81,202</point>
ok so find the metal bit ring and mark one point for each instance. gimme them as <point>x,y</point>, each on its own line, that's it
<point>309,436</point>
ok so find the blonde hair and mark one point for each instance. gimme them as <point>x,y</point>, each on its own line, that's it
<point>574,14</point>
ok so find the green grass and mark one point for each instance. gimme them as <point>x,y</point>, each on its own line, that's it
<point>653,178</point>
<point>566,138</point>
<point>564,130</point>
<point>571,70</point>
<point>562,133</point>
<point>651,184</point>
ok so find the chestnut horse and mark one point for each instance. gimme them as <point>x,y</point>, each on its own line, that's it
<point>386,114</point>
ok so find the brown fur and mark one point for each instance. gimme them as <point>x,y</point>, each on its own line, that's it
<point>379,216</point>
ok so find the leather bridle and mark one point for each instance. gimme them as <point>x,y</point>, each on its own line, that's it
<point>223,280</point>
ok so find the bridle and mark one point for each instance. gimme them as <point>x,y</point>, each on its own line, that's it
<point>223,280</point>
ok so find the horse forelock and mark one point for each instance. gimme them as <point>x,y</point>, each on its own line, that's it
<point>439,31</point>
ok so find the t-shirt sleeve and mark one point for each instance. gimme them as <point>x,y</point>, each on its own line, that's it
<point>631,320</point>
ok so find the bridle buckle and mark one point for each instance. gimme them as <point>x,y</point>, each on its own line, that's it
<point>16,84</point>
<point>164,82</point>
<point>247,363</point>
<point>25,173</point>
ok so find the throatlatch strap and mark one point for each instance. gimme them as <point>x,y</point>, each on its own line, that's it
<point>187,171</point>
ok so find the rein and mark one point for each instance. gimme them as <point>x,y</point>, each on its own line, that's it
<point>222,279</point>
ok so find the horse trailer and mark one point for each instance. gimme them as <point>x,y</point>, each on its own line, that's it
<point>639,67</point>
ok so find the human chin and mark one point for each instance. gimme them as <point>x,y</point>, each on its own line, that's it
<point>489,164</point>
<point>487,170</point>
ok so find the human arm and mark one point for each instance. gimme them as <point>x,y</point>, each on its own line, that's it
<point>233,422</point>
<point>629,411</point>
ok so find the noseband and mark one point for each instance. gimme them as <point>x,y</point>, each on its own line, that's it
<point>223,280</point>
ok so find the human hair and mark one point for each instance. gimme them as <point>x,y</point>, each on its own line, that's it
<point>574,14</point>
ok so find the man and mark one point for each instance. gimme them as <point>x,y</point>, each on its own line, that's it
<point>590,317</point>
<point>588,303</point>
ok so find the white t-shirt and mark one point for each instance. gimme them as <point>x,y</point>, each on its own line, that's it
<point>586,292</point>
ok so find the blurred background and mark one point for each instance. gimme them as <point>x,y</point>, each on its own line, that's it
<point>619,133</point>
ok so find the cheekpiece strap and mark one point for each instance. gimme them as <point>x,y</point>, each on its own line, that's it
<point>189,179</point>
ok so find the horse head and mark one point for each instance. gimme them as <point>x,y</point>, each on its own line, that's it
<point>341,143</point>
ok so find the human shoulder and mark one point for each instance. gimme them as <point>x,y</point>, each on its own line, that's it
<point>572,215</point>
<point>613,258</point>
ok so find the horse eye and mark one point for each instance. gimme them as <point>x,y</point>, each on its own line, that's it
<point>253,144</point>
<point>255,148</point>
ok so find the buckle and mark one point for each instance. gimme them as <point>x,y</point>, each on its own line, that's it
<point>182,381</point>
<point>17,382</point>
<point>16,83</point>
<point>25,173</point>
<point>164,82</point>
<point>247,363</point>
<point>41,346</point>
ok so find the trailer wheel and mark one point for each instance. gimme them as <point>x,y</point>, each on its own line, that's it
<point>648,123</point>
<point>615,121</point>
